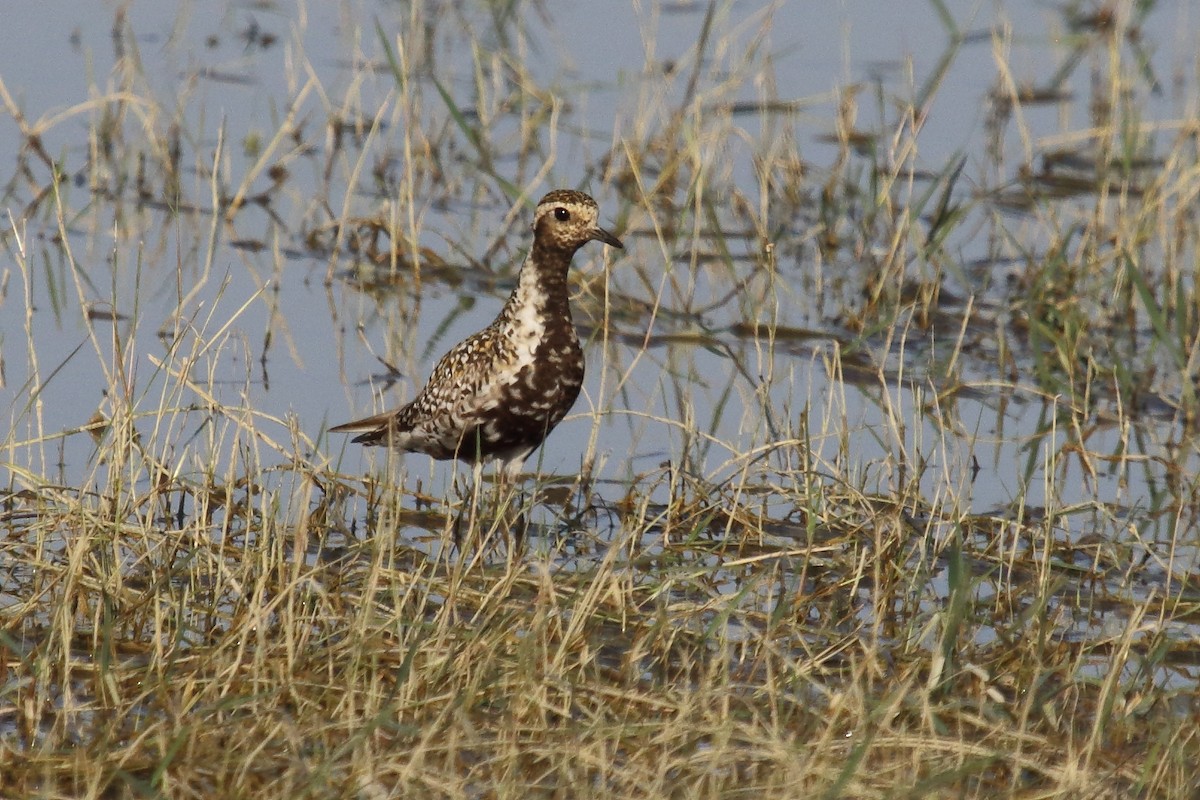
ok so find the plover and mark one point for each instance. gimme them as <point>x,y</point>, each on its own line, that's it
<point>499,393</point>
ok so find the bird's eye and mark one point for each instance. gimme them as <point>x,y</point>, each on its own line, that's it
<point>561,214</point>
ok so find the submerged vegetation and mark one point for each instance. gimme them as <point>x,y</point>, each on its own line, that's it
<point>909,507</point>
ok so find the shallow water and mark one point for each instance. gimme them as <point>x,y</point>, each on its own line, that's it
<point>246,305</point>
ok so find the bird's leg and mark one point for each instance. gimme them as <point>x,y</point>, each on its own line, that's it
<point>512,502</point>
<point>468,500</point>
<point>476,496</point>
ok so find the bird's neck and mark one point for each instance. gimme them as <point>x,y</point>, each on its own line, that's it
<point>541,294</point>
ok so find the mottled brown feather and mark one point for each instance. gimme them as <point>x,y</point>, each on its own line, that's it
<point>499,393</point>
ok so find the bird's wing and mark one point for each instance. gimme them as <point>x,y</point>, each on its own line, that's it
<point>467,379</point>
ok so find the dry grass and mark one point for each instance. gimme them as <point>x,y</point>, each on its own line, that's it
<point>196,600</point>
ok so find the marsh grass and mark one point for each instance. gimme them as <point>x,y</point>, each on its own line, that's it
<point>213,601</point>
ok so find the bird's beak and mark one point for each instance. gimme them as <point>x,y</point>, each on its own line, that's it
<point>601,235</point>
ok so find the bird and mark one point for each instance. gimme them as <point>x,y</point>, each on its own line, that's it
<point>499,393</point>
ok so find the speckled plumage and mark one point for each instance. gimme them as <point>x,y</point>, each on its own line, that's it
<point>499,393</point>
